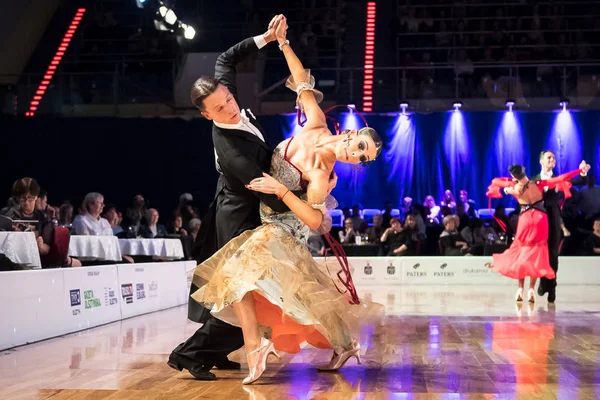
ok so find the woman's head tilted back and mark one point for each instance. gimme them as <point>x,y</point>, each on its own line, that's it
<point>359,146</point>
<point>517,171</point>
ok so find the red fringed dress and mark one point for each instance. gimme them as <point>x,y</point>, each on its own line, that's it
<point>528,254</point>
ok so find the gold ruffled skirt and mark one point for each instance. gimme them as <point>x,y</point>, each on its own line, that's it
<point>294,295</point>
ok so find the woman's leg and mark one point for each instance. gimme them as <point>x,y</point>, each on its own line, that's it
<point>532,282</point>
<point>521,283</point>
<point>246,314</point>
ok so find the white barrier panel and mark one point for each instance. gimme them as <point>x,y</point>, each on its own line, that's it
<point>91,297</point>
<point>458,271</point>
<point>144,288</point>
<point>45,303</point>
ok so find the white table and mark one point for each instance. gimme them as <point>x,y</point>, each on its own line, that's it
<point>20,248</point>
<point>164,248</point>
<point>88,247</point>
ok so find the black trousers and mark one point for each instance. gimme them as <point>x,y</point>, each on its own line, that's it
<point>554,232</point>
<point>211,344</point>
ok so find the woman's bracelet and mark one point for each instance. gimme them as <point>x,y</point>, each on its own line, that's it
<point>281,197</point>
<point>283,44</point>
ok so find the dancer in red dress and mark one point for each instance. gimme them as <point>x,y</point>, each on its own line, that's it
<point>528,254</point>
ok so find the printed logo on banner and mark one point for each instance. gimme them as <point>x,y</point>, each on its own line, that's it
<point>75,297</point>
<point>416,273</point>
<point>443,273</point>
<point>153,289</point>
<point>368,269</point>
<point>391,269</point>
<point>110,297</point>
<point>90,300</point>
<point>140,292</point>
<point>127,292</point>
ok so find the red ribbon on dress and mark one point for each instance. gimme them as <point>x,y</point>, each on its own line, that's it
<point>340,254</point>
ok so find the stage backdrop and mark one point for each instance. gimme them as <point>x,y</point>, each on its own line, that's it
<point>162,158</point>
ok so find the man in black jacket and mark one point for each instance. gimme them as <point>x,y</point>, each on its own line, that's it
<point>552,200</point>
<point>242,154</point>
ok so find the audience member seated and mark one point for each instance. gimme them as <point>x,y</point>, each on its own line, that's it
<point>188,212</point>
<point>451,242</point>
<point>449,201</point>
<point>195,227</point>
<point>393,240</point>
<point>406,207</point>
<point>469,205</point>
<point>433,216</point>
<point>25,193</point>
<point>65,215</point>
<point>316,246</point>
<point>137,213</point>
<point>152,230</point>
<point>112,216</point>
<point>474,234</point>
<point>176,227</point>
<point>592,242</point>
<point>91,223</point>
<point>348,234</point>
<point>374,232</point>
<point>410,238</point>
<point>500,214</point>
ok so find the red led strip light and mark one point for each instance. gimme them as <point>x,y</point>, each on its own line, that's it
<point>369,55</point>
<point>60,52</point>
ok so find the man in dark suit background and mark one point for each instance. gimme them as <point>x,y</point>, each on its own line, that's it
<point>552,200</point>
<point>241,154</point>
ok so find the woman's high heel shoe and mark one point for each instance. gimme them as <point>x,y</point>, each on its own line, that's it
<point>264,350</point>
<point>531,295</point>
<point>519,295</point>
<point>338,360</point>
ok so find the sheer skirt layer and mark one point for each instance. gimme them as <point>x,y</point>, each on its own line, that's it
<point>295,297</point>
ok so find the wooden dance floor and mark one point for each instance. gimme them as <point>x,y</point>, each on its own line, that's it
<point>445,342</point>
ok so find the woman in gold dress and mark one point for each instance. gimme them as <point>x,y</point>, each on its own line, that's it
<point>267,277</point>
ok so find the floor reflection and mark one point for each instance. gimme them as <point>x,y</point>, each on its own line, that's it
<point>444,342</point>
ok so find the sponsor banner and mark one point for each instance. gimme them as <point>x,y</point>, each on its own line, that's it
<point>454,271</point>
<point>32,306</point>
<point>91,296</point>
<point>148,287</point>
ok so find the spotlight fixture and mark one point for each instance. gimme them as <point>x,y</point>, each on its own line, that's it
<point>564,104</point>
<point>457,105</point>
<point>188,31</point>
<point>510,104</point>
<point>403,107</point>
<point>351,108</point>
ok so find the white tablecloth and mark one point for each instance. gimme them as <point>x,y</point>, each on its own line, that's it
<point>95,247</point>
<point>165,248</point>
<point>20,248</point>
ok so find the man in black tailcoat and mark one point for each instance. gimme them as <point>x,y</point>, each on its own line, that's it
<point>241,154</point>
<point>552,203</point>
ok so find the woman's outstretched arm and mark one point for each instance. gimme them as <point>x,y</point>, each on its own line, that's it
<point>314,115</point>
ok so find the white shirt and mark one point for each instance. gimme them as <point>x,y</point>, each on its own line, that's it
<point>545,176</point>
<point>244,124</point>
<point>88,225</point>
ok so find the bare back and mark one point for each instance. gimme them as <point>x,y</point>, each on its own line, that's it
<point>528,193</point>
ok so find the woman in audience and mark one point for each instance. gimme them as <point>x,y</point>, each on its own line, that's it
<point>177,226</point>
<point>65,215</point>
<point>434,210</point>
<point>449,201</point>
<point>374,232</point>
<point>392,239</point>
<point>91,223</point>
